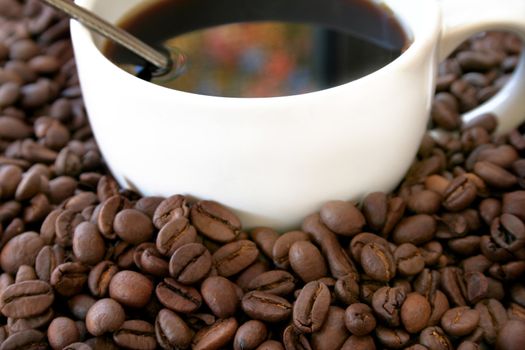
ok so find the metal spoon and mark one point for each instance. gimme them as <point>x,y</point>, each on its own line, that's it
<point>169,63</point>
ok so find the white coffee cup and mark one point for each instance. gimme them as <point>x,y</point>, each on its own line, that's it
<point>275,160</point>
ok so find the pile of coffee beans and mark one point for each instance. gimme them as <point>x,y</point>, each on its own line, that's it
<point>438,264</point>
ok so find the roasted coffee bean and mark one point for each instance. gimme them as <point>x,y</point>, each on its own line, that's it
<point>392,338</point>
<point>69,278</point>
<point>492,250</point>
<point>415,312</point>
<point>47,260</point>
<point>250,273</point>
<point>62,331</point>
<point>65,225</point>
<point>250,335</point>
<point>306,261</point>
<point>417,229</point>
<point>346,290</point>
<point>342,218</point>
<point>133,226</point>
<point>266,307</point>
<point>80,304</point>
<point>435,339</point>
<point>375,209</point>
<point>100,276</point>
<point>271,345</point>
<point>169,209</point>
<point>453,286</point>
<point>468,245</point>
<point>281,247</point>
<point>178,297</point>
<point>338,261</point>
<point>359,241</point>
<point>494,175</point>
<point>355,342</point>
<point>276,282</point>
<point>215,336</point>
<point>265,238</point>
<point>149,260</point>
<point>174,234</point>
<point>492,317</point>
<point>311,307</point>
<point>514,203</point>
<point>424,202</point>
<point>444,116</point>
<point>440,305</point>
<point>460,321</point>
<point>378,262</point>
<point>333,333</point>
<point>125,281</point>
<point>508,231</point>
<point>215,221</point>
<point>108,210</point>
<point>359,319</point>
<point>190,263</point>
<point>220,296</point>
<point>106,315</point>
<point>26,339</point>
<point>171,331</point>
<point>387,303</point>
<point>409,259</point>
<point>88,244</point>
<point>136,334</point>
<point>26,299</point>
<point>20,250</point>
<point>294,340</point>
<point>234,257</point>
<point>511,336</point>
<point>459,194</point>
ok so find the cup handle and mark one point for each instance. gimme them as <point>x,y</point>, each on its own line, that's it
<point>461,20</point>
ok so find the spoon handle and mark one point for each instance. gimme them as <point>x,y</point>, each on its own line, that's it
<point>112,32</point>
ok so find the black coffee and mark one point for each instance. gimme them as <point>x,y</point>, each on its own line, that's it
<point>262,48</point>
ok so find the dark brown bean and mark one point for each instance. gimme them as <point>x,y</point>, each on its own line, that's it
<point>100,277</point>
<point>359,319</point>
<point>266,307</point>
<point>234,257</point>
<point>215,336</point>
<point>415,312</point>
<point>136,334</point>
<point>333,333</point>
<point>342,218</point>
<point>125,281</point>
<point>26,299</point>
<point>306,261</point>
<point>172,331</point>
<point>417,229</point>
<point>169,209</point>
<point>178,297</point>
<point>281,247</point>
<point>220,296</point>
<point>190,263</point>
<point>106,315</point>
<point>250,335</point>
<point>215,221</point>
<point>174,234</point>
<point>276,282</point>
<point>311,307</point>
<point>69,278</point>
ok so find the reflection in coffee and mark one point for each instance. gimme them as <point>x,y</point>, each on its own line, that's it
<point>266,48</point>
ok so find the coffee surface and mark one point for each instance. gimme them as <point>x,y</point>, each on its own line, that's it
<point>261,49</point>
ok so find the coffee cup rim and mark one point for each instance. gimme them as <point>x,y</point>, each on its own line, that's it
<point>420,40</point>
